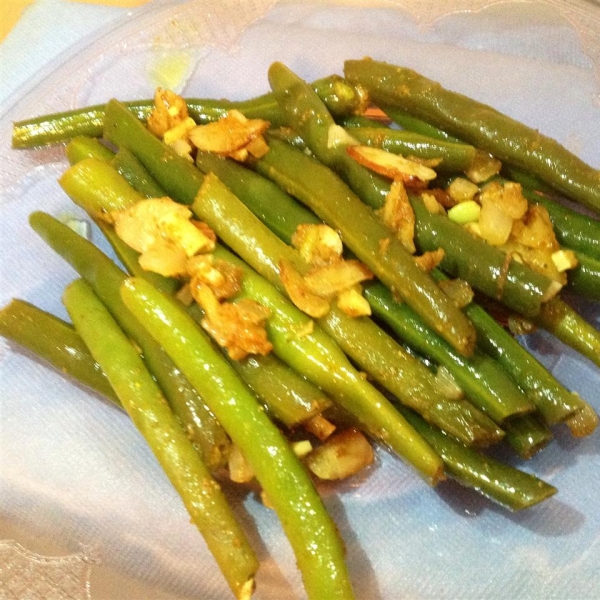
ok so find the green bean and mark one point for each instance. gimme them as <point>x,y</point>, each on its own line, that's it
<point>82,147</point>
<point>479,125</point>
<point>552,400</point>
<point>105,278</point>
<point>173,173</point>
<point>340,98</point>
<point>316,356</point>
<point>368,238</point>
<point>454,156</point>
<point>288,397</point>
<point>56,342</point>
<point>279,211</point>
<point>584,279</point>
<point>135,174</point>
<point>486,384</point>
<point>527,435</point>
<point>312,533</point>
<point>401,377</point>
<point>282,214</point>
<point>143,401</point>
<point>506,485</point>
<point>96,186</point>
<point>493,273</point>
<point>411,123</point>
<point>565,323</point>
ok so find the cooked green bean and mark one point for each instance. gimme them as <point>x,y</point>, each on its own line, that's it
<point>136,175</point>
<point>340,98</point>
<point>173,173</point>
<point>565,323</point>
<point>584,279</point>
<point>479,125</point>
<point>486,384</point>
<point>506,485</point>
<point>313,535</point>
<point>411,123</point>
<point>368,238</point>
<point>105,278</point>
<point>144,402</point>
<point>82,147</point>
<point>56,342</point>
<point>279,211</point>
<point>454,156</point>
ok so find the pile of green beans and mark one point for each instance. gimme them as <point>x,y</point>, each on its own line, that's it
<point>192,402</point>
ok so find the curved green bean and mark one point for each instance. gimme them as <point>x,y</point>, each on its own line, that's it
<point>106,278</point>
<point>143,401</point>
<point>479,125</point>
<point>56,342</point>
<point>312,534</point>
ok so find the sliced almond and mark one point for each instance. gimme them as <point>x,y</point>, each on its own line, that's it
<point>398,215</point>
<point>390,165</point>
<point>342,455</point>
<point>328,280</point>
<point>308,302</point>
<point>227,135</point>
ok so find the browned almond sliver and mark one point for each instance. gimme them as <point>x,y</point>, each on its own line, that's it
<point>308,302</point>
<point>342,455</point>
<point>398,215</point>
<point>390,165</point>
<point>227,135</point>
<point>328,280</point>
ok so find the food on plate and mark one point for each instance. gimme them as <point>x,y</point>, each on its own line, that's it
<point>304,281</point>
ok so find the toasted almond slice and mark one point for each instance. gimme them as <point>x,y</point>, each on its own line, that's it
<point>398,215</point>
<point>164,258</point>
<point>390,165</point>
<point>328,280</point>
<point>227,135</point>
<point>318,244</point>
<point>430,260</point>
<point>353,303</point>
<point>307,301</point>
<point>342,455</point>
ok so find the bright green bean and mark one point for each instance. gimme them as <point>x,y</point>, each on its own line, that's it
<point>106,278</point>
<point>143,401</point>
<point>479,125</point>
<point>368,238</point>
<point>312,534</point>
<point>56,342</point>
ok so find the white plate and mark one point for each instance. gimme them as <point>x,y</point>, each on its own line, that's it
<point>78,480</point>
